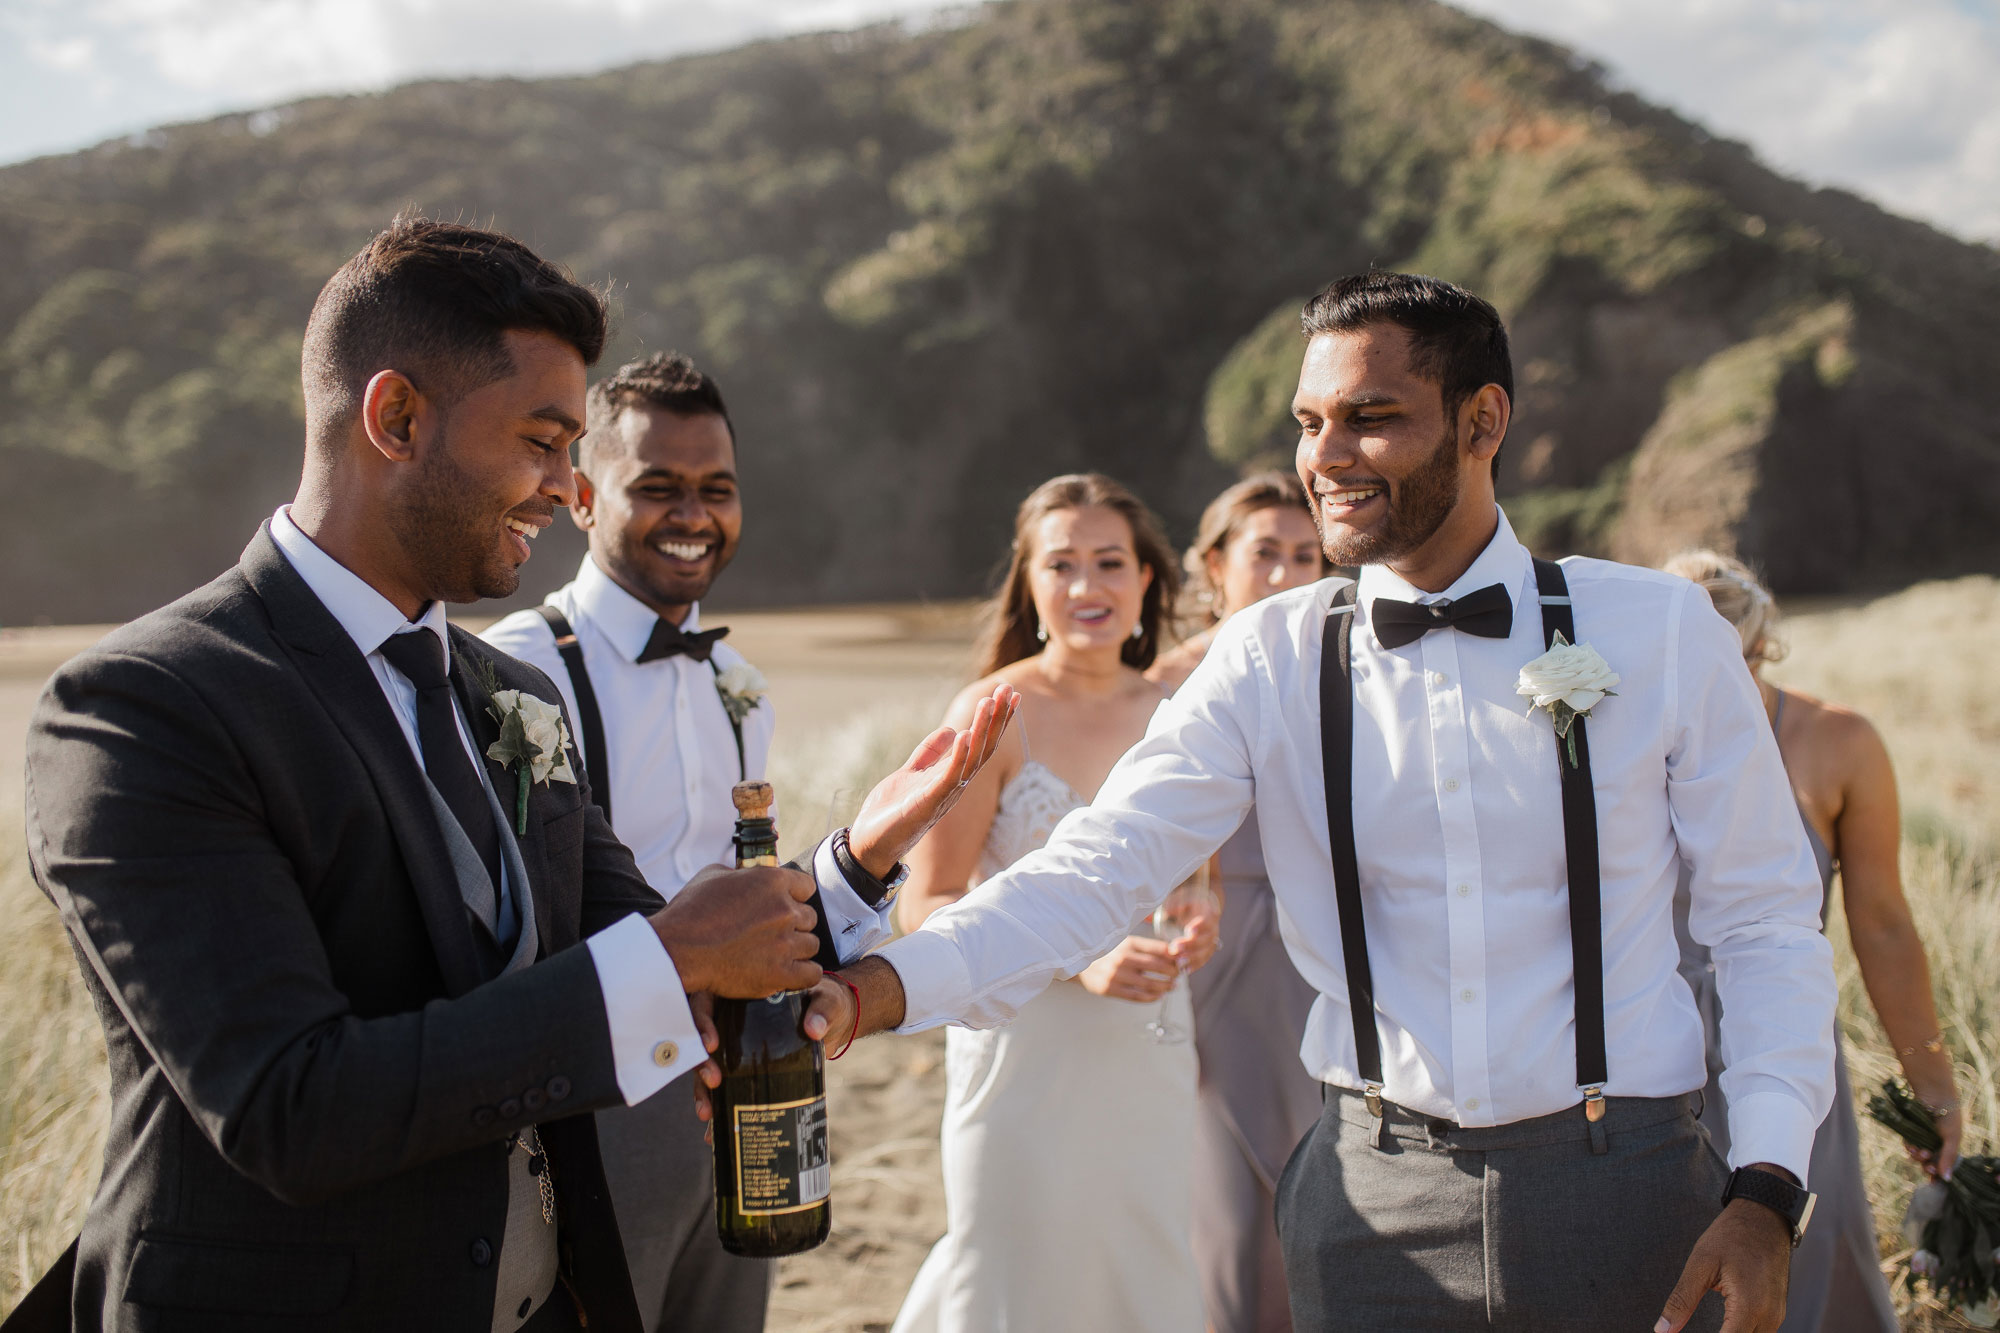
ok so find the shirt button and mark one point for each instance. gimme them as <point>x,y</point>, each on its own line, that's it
<point>1466,995</point>
<point>1439,678</point>
<point>1451,784</point>
<point>665,1054</point>
<point>1472,1103</point>
<point>1465,890</point>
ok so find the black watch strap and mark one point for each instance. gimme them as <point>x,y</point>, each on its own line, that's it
<point>1781,1196</point>
<point>869,889</point>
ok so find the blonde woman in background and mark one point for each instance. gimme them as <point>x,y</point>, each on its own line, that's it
<point>1067,1133</point>
<point>1257,1100</point>
<point>1846,790</point>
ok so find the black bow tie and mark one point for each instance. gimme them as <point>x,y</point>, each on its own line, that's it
<point>672,641</point>
<point>1489,613</point>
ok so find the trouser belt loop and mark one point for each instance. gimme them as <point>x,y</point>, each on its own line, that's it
<point>1593,1112</point>
<point>1372,1093</point>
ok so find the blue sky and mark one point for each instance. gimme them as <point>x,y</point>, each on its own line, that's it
<point>1892,98</point>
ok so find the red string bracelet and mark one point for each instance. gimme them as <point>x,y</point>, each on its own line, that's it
<point>856,990</point>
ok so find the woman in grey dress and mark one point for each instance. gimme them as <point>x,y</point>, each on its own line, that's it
<point>1256,1099</point>
<point>1846,790</point>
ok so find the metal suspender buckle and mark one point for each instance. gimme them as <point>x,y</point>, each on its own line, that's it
<point>1372,1093</point>
<point>1593,1103</point>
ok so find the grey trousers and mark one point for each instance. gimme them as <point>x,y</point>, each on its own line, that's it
<point>662,1179</point>
<point>1519,1226</point>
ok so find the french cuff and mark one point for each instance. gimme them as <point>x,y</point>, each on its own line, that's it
<point>856,927</point>
<point>1772,1127</point>
<point>653,1037</point>
<point>936,983</point>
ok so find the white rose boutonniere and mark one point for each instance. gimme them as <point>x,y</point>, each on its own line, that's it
<point>1568,680</point>
<point>742,688</point>
<point>534,742</point>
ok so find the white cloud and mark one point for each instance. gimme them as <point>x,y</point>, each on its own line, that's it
<point>69,55</point>
<point>1890,98</point>
<point>265,49</point>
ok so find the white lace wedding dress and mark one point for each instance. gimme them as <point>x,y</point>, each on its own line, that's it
<point>1067,1141</point>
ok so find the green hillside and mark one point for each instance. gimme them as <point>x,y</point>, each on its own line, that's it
<point>931,268</point>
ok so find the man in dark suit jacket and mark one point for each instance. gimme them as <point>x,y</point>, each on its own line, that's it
<point>352,1052</point>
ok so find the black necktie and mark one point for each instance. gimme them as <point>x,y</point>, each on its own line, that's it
<point>672,641</point>
<point>420,656</point>
<point>1489,613</point>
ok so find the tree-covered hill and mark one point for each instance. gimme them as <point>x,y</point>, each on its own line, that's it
<point>931,268</point>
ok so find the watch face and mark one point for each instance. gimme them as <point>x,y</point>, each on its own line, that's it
<point>1805,1216</point>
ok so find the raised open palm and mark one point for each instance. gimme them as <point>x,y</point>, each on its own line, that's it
<point>905,805</point>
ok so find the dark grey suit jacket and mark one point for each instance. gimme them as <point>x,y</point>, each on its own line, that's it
<point>311,1079</point>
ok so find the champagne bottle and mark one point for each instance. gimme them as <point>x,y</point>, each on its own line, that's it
<point>773,1174</point>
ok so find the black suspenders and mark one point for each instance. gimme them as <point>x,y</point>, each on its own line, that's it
<point>588,716</point>
<point>1336,713</point>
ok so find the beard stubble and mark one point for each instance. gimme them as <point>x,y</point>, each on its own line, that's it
<point>1418,507</point>
<point>446,523</point>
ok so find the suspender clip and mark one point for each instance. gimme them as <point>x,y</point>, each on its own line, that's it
<point>1372,1093</point>
<point>1593,1103</point>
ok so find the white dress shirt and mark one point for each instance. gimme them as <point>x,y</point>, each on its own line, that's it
<point>653,1036</point>
<point>1459,834</point>
<point>672,754</point>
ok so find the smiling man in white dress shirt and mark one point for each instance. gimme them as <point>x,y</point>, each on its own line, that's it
<point>657,493</point>
<point>1472,1168</point>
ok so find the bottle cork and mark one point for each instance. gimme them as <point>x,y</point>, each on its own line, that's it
<point>753,799</point>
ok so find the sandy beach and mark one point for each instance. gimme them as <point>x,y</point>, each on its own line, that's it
<point>854,687</point>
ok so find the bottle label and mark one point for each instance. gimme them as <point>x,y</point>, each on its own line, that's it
<point>782,1163</point>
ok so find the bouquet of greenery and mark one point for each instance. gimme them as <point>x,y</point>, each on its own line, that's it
<point>1953,1225</point>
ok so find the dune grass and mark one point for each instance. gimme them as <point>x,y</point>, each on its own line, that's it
<point>53,1092</point>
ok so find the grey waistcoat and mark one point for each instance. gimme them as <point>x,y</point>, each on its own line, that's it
<point>527,1259</point>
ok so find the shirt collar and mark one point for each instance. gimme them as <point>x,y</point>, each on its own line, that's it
<point>1504,561</point>
<point>369,618</point>
<point>625,620</point>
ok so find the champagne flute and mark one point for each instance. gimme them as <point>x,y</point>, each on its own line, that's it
<point>1192,897</point>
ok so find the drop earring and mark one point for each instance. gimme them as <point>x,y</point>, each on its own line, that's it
<point>1042,633</point>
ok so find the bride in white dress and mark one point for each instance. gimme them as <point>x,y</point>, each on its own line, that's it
<point>1068,1134</point>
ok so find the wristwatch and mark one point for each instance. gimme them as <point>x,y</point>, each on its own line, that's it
<point>877,893</point>
<point>1781,1196</point>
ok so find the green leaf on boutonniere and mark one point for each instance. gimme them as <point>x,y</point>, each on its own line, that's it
<point>514,749</point>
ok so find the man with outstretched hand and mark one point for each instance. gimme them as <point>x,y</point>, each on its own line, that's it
<point>1477,775</point>
<point>325,860</point>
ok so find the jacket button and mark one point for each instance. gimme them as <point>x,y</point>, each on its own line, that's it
<point>482,1253</point>
<point>558,1088</point>
<point>484,1116</point>
<point>510,1108</point>
<point>533,1099</point>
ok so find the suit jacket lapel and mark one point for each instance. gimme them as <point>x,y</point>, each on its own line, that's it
<point>334,669</point>
<point>474,698</point>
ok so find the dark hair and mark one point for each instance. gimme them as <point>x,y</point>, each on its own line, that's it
<point>434,301</point>
<point>1456,339</point>
<point>1225,514</point>
<point>1011,621</point>
<point>668,381</point>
